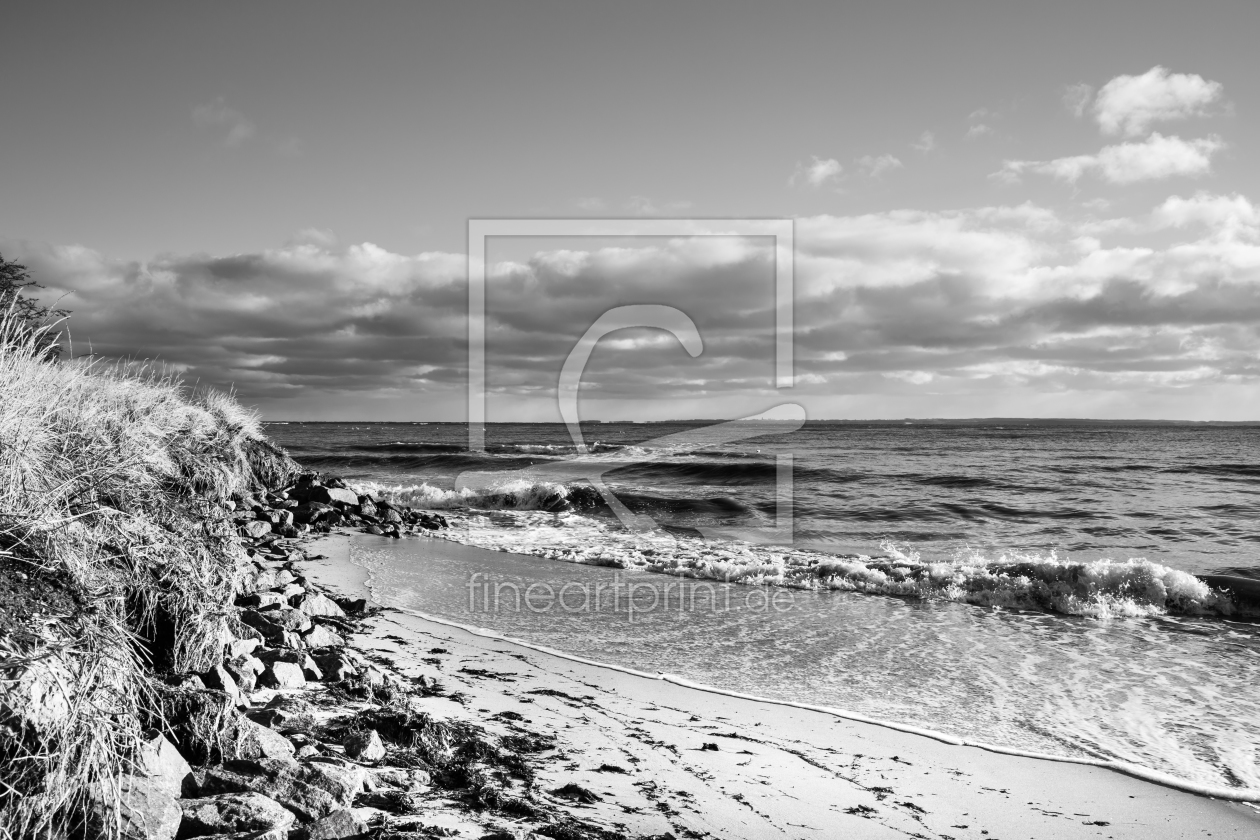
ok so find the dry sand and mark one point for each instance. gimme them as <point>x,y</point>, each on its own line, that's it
<point>664,758</point>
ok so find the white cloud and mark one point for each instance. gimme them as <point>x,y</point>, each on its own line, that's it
<point>989,298</point>
<point>925,143</point>
<point>591,204</point>
<point>1076,98</point>
<point>978,130</point>
<point>236,126</point>
<point>1155,158</point>
<point>1129,105</point>
<point>877,166</point>
<point>818,172</point>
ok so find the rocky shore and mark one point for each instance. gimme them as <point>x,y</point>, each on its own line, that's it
<point>294,734</point>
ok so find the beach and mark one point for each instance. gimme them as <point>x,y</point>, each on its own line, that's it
<point>642,756</point>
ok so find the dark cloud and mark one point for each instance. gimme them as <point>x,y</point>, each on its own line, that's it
<point>889,302</point>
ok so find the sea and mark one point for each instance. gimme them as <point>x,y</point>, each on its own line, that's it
<point>1029,584</point>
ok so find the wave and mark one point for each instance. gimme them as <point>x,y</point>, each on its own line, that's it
<point>1027,581</point>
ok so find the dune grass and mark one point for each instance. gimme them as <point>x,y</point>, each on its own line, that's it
<point>119,562</point>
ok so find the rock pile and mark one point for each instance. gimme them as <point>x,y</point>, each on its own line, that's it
<point>315,505</point>
<point>294,735</point>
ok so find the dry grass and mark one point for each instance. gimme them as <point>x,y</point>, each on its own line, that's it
<point>112,478</point>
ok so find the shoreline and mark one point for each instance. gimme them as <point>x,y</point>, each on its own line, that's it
<point>1084,788</point>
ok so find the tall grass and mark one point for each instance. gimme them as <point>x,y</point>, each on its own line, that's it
<point>112,483</point>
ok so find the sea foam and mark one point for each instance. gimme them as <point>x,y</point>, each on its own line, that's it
<point>538,519</point>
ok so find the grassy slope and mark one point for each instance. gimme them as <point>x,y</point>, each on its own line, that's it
<point>117,560</point>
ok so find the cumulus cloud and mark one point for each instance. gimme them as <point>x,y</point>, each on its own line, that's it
<point>818,172</point>
<point>980,301</point>
<point>234,126</point>
<point>1130,105</point>
<point>1157,157</point>
<point>875,166</point>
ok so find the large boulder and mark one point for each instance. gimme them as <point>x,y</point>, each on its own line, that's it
<point>233,812</point>
<point>312,790</point>
<point>147,810</point>
<point>316,603</point>
<point>339,825</point>
<point>335,496</point>
<point>255,742</point>
<point>282,675</point>
<point>323,637</point>
<point>159,760</point>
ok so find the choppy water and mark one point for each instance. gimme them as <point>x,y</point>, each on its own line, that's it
<point>1024,584</point>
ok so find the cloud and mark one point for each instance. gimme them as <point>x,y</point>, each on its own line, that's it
<point>591,204</point>
<point>818,172</point>
<point>981,303</point>
<point>1076,98</point>
<point>877,166</point>
<point>925,143</point>
<point>235,126</point>
<point>1129,105</point>
<point>980,120</point>
<point>1155,158</point>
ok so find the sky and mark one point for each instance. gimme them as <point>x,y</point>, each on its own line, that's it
<point>1000,209</point>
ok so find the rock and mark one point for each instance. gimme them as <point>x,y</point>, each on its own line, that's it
<point>254,742</point>
<point>312,791</point>
<point>282,711</point>
<point>283,675</point>
<point>365,746</point>
<point>233,812</point>
<point>391,516</point>
<point>339,825</point>
<point>242,647</point>
<point>367,506</point>
<point>316,603</point>
<point>219,679</point>
<point>310,669</point>
<point>146,810</point>
<point>334,496</point>
<point>290,591</point>
<point>264,579</point>
<point>322,637</point>
<point>353,606</point>
<point>245,670</point>
<point>159,760</point>
<point>399,779</point>
<point>375,529</point>
<point>255,529</point>
<point>373,676</point>
<point>262,599</point>
<point>335,665</point>
<point>273,623</point>
<point>308,513</point>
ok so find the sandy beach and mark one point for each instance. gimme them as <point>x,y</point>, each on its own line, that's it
<point>645,757</point>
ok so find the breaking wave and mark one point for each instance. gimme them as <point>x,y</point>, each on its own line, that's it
<point>1025,581</point>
